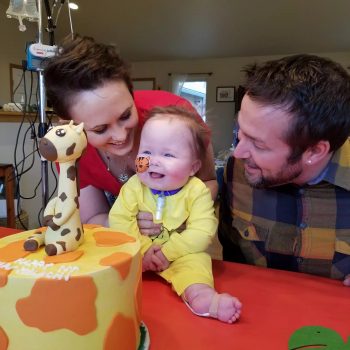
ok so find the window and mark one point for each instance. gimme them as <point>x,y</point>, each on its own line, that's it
<point>192,87</point>
<point>195,92</point>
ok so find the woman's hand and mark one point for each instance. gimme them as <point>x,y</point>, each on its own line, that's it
<point>146,225</point>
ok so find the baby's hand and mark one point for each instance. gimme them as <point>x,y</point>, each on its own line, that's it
<point>146,225</point>
<point>147,264</point>
<point>150,262</point>
<point>162,262</point>
<point>347,281</point>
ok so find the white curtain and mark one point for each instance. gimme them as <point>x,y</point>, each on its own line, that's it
<point>176,82</point>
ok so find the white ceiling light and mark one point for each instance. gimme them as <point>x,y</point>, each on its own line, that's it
<point>73,6</point>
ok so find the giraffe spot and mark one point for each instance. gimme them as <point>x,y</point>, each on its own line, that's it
<point>48,220</point>
<point>119,261</point>
<point>4,341</point>
<point>65,232</point>
<point>54,227</point>
<point>64,258</point>
<point>78,236</point>
<point>76,200</point>
<point>62,244</point>
<point>62,196</point>
<point>112,238</point>
<point>122,331</point>
<point>70,149</point>
<point>58,304</point>
<point>72,173</point>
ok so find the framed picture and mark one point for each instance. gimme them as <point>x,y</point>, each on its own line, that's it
<point>225,94</point>
<point>144,83</point>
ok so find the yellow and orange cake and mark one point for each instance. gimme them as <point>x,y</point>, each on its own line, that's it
<point>88,299</point>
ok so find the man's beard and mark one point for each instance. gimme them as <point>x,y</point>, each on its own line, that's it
<point>287,174</point>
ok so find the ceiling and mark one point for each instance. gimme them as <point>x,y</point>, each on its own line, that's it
<point>147,30</point>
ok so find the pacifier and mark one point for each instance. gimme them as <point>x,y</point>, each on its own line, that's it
<point>142,164</point>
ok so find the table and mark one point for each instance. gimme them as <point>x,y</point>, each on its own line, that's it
<point>276,303</point>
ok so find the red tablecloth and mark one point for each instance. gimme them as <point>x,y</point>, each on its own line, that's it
<point>276,303</point>
<point>4,231</point>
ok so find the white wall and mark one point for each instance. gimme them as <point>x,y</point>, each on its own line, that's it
<point>220,116</point>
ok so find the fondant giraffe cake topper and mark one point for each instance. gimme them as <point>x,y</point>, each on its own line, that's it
<point>63,144</point>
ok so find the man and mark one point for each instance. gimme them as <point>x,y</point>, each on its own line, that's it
<point>286,197</point>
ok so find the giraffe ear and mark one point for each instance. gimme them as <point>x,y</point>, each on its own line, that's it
<point>71,122</point>
<point>79,128</point>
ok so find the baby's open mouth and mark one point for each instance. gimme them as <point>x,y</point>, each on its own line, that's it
<point>154,175</point>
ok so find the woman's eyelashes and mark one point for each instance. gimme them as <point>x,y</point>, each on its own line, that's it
<point>103,128</point>
<point>126,115</point>
<point>100,130</point>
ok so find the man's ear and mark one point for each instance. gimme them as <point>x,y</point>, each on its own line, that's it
<point>317,153</point>
<point>196,165</point>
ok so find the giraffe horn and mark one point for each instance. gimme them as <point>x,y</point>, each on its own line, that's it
<point>79,128</point>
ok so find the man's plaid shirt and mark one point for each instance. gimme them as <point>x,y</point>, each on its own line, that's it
<point>304,229</point>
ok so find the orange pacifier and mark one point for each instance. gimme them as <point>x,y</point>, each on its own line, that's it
<point>142,164</point>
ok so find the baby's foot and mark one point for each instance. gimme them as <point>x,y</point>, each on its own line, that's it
<point>205,301</point>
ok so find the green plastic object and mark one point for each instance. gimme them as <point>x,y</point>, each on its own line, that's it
<point>317,337</point>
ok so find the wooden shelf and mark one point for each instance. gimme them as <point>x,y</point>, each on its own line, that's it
<point>17,117</point>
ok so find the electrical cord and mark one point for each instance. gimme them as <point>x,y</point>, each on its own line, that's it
<point>24,161</point>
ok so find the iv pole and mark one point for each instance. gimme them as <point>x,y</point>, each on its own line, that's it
<point>42,124</point>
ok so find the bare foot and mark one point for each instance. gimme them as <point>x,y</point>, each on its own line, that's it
<point>205,301</point>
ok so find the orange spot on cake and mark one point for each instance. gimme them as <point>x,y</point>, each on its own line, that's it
<point>4,342</point>
<point>112,238</point>
<point>13,251</point>
<point>122,331</point>
<point>3,277</point>
<point>64,258</point>
<point>119,261</point>
<point>57,304</point>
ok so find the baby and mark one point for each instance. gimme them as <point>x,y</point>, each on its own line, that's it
<point>171,145</point>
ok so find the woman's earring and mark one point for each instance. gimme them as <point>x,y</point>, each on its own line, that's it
<point>309,161</point>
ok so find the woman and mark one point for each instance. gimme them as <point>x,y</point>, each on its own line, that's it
<point>88,82</point>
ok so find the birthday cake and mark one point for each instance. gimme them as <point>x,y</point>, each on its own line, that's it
<point>86,299</point>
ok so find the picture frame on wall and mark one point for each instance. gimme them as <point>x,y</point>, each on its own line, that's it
<point>225,94</point>
<point>144,83</point>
